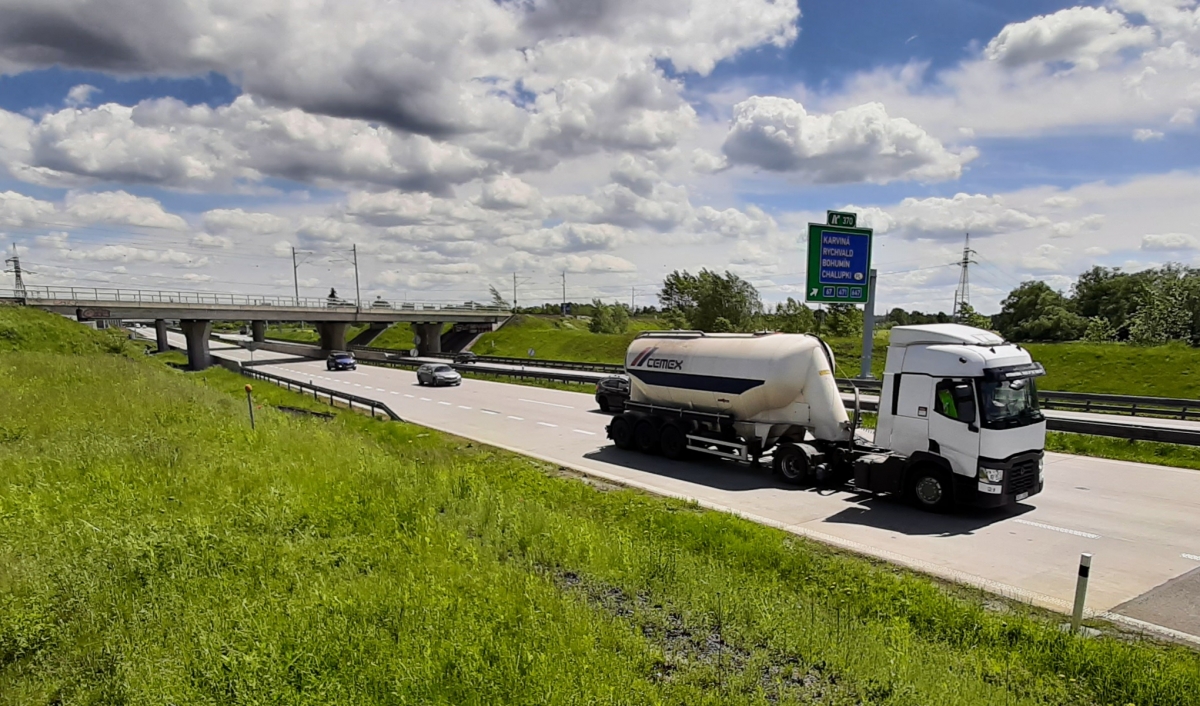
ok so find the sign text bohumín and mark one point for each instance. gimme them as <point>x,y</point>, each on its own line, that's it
<point>839,262</point>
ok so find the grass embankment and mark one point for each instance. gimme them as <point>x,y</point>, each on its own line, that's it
<point>154,549</point>
<point>559,338</point>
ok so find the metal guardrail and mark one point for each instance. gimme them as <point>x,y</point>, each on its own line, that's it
<point>1126,405</point>
<point>551,375</point>
<point>145,296</point>
<point>318,392</point>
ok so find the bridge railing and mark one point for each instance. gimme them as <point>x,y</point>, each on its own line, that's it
<point>93,295</point>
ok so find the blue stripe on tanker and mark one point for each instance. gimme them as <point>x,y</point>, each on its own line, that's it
<point>706,383</point>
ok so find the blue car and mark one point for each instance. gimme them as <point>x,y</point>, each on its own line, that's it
<point>341,360</point>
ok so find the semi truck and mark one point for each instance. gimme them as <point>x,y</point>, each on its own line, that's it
<point>957,422</point>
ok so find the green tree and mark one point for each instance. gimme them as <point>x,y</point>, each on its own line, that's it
<point>1100,330</point>
<point>966,314</point>
<point>1036,312</point>
<point>703,298</point>
<point>608,318</point>
<point>843,320</point>
<point>1163,314</point>
<point>497,300</point>
<point>793,317</point>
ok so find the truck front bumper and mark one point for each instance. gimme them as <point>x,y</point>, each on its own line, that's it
<point>1022,480</point>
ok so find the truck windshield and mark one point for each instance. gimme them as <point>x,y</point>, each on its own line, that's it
<point>1009,403</point>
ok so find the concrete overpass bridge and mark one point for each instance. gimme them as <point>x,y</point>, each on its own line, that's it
<point>195,312</point>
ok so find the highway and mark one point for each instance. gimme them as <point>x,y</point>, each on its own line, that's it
<point>1141,522</point>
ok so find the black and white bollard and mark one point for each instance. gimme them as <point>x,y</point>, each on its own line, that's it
<point>1085,567</point>
<point>250,404</point>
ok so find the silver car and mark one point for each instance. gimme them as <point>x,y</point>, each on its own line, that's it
<point>437,374</point>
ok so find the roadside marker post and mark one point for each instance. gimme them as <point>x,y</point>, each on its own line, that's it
<point>1085,568</point>
<point>250,404</point>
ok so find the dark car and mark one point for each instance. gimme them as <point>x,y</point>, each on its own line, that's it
<point>437,374</point>
<point>611,393</point>
<point>465,357</point>
<point>341,360</point>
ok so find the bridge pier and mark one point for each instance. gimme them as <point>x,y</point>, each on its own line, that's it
<point>333,335</point>
<point>258,330</point>
<point>160,333</point>
<point>430,335</point>
<point>197,332</point>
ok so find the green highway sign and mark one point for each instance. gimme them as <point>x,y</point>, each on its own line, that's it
<point>841,218</point>
<point>839,264</point>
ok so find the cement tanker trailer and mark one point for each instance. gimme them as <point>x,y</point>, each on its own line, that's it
<point>958,421</point>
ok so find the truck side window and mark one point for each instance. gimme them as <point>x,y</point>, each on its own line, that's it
<point>955,399</point>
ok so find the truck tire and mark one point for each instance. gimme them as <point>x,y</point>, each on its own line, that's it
<point>672,441</point>
<point>620,430</point>
<point>645,435</point>
<point>791,464</point>
<point>603,401</point>
<point>931,489</point>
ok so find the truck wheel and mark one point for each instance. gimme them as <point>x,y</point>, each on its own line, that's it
<point>931,489</point>
<point>603,404</point>
<point>621,432</point>
<point>791,464</point>
<point>645,435</point>
<point>672,441</point>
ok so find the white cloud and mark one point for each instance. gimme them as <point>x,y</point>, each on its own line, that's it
<point>205,240</point>
<point>235,221</point>
<point>937,217</point>
<point>506,192</point>
<point>18,210</point>
<point>121,208</point>
<point>861,143</point>
<point>1145,134</point>
<point>592,264</point>
<point>568,237</point>
<point>1083,36</point>
<point>1170,241</point>
<point>80,95</point>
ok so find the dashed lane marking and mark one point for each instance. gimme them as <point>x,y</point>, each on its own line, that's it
<point>488,411</point>
<point>519,419</point>
<point>1064,530</point>
<point>408,395</point>
<point>580,431</point>
<point>444,402</point>
<point>426,399</point>
<point>548,404</point>
<point>547,424</point>
<point>1193,557</point>
<point>463,406</point>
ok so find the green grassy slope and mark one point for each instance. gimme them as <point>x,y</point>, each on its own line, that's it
<point>154,549</point>
<point>558,338</point>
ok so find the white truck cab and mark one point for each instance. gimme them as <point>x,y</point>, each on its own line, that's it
<point>963,399</point>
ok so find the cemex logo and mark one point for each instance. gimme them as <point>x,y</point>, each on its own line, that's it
<point>646,360</point>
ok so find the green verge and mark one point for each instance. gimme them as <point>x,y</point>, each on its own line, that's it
<point>154,549</point>
<point>558,338</point>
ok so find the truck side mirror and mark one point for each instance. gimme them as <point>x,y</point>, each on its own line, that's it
<point>972,428</point>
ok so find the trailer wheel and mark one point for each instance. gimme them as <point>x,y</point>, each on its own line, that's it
<point>604,406</point>
<point>672,441</point>
<point>931,489</point>
<point>645,435</point>
<point>791,464</point>
<point>621,432</point>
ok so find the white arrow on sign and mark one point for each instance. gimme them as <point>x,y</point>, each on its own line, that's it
<point>813,293</point>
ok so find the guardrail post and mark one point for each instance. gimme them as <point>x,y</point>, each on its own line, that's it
<point>1081,583</point>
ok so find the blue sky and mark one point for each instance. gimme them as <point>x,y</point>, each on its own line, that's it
<point>641,139</point>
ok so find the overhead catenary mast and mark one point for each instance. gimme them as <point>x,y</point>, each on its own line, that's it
<point>962,294</point>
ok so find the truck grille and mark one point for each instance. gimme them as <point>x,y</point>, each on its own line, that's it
<point>1023,476</point>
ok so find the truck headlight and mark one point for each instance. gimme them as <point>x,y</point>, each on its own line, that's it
<point>1041,469</point>
<point>991,475</point>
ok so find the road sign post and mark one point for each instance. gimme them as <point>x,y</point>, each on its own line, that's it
<point>868,344</point>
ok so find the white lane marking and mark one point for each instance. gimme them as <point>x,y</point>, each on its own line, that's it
<point>548,404</point>
<point>1064,530</point>
<point>394,392</point>
<point>426,399</point>
<point>580,431</point>
<point>463,406</point>
<point>488,411</point>
<point>408,395</point>
<point>444,402</point>
<point>1193,557</point>
<point>519,419</point>
<point>547,424</point>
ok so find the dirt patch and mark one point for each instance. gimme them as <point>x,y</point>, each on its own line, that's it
<point>699,652</point>
<point>597,483</point>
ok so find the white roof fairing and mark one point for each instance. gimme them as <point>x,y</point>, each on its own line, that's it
<point>942,334</point>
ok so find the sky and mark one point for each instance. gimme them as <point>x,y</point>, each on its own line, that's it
<point>467,144</point>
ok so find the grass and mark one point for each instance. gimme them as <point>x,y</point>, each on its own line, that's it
<point>304,333</point>
<point>1120,369</point>
<point>559,338</point>
<point>154,549</point>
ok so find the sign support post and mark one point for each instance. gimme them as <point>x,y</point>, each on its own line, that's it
<point>868,343</point>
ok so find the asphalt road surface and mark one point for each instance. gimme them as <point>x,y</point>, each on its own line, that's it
<point>1141,522</point>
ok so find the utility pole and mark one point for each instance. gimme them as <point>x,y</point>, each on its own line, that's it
<point>295,268</point>
<point>632,300</point>
<point>962,295</point>
<point>15,262</point>
<point>564,293</point>
<point>514,293</point>
<point>357,293</point>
